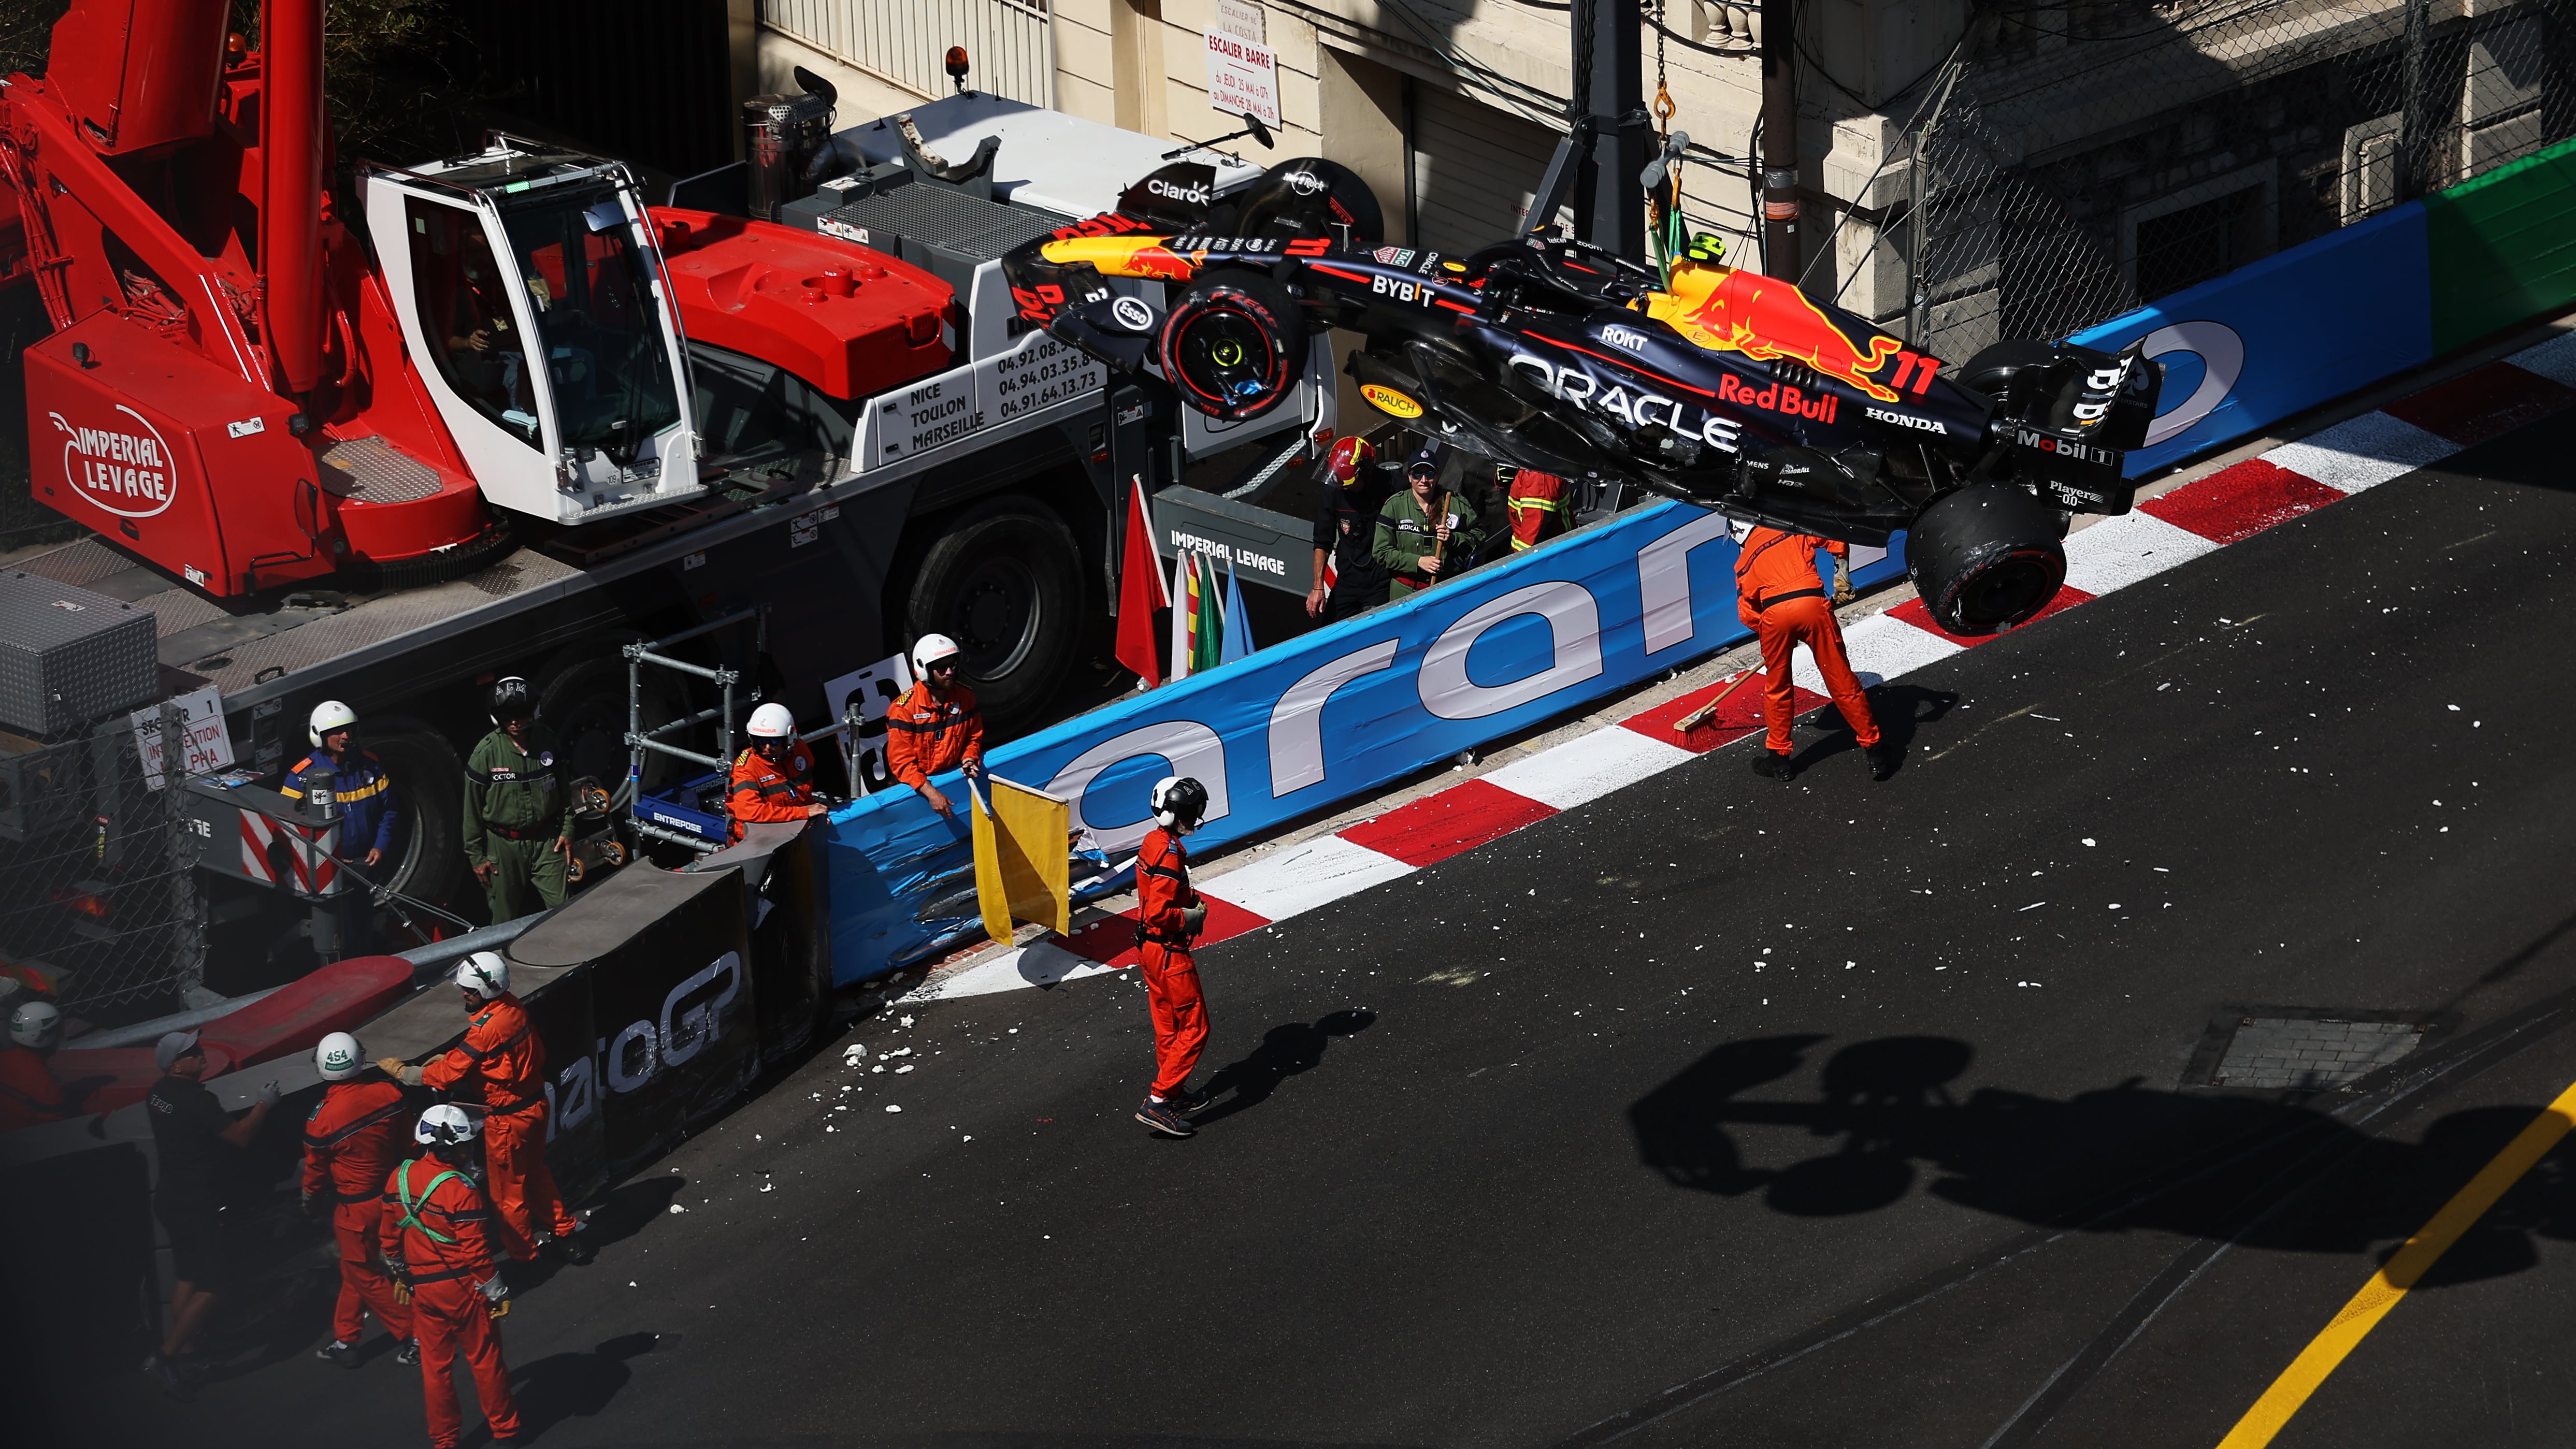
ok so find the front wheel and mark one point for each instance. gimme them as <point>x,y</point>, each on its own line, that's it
<point>1234,345</point>
<point>1986,557</point>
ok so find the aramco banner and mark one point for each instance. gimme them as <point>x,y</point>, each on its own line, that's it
<point>1307,724</point>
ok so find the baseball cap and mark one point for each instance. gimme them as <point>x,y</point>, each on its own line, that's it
<point>1429,457</point>
<point>173,1046</point>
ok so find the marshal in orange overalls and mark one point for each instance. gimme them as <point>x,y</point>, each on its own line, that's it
<point>1778,597</point>
<point>930,735</point>
<point>437,1225</point>
<point>761,793</point>
<point>1163,954</point>
<point>351,1144</point>
<point>502,1060</point>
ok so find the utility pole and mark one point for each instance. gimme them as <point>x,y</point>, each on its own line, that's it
<point>2415,121</point>
<point>1610,85</point>
<point>1780,243</point>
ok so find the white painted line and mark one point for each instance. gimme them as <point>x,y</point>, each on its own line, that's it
<point>2362,452</point>
<point>2120,551</point>
<point>1588,768</point>
<point>1885,647</point>
<point>1040,963</point>
<point>1318,872</point>
<point>2554,359</point>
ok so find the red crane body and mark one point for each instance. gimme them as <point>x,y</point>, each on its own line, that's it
<point>232,389</point>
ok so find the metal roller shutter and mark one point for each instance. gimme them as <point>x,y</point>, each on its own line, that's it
<point>1475,168</point>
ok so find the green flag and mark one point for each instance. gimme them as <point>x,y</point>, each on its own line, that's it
<point>1207,637</point>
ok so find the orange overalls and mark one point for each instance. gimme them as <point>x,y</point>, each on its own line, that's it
<point>760,793</point>
<point>1777,595</point>
<point>1537,503</point>
<point>437,1226</point>
<point>351,1143</point>
<point>926,736</point>
<point>1163,954</point>
<point>28,1092</point>
<point>502,1057</point>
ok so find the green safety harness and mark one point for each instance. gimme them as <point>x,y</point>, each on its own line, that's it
<point>411,1209</point>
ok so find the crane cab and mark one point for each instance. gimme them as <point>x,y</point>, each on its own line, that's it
<point>528,281</point>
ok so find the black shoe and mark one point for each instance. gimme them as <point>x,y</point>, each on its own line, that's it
<point>1189,1103</point>
<point>1161,1117</point>
<point>343,1354</point>
<point>1773,765</point>
<point>574,1251</point>
<point>1883,760</point>
<point>409,1354</point>
<point>166,1377</point>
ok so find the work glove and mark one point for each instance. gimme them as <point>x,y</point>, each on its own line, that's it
<point>400,1272</point>
<point>495,1289</point>
<point>1842,581</point>
<point>390,1066</point>
<point>1193,920</point>
<point>269,1093</point>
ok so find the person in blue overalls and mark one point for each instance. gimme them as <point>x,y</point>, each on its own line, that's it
<point>369,815</point>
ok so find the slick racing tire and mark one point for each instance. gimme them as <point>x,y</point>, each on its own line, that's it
<point>1986,557</point>
<point>428,858</point>
<point>1005,581</point>
<point>1233,345</point>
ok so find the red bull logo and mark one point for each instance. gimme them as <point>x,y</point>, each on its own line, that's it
<point>1767,319</point>
<point>1779,397</point>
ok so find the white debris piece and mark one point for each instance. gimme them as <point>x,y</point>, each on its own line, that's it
<point>907,1021</point>
<point>891,1107</point>
<point>2088,840</point>
<point>768,1187</point>
<point>899,1071</point>
<point>675,1207</point>
<point>898,1052</point>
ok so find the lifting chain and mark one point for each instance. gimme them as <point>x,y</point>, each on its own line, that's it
<point>1665,213</point>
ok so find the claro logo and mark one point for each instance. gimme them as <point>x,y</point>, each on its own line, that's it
<point>1194,195</point>
<point>129,474</point>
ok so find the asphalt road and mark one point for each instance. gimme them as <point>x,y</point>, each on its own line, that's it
<point>1718,1111</point>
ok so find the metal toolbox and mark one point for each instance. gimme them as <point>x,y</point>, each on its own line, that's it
<point>68,656</point>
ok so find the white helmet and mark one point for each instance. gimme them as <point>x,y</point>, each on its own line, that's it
<point>485,974</point>
<point>445,1125</point>
<point>338,1057</point>
<point>328,716</point>
<point>1179,803</point>
<point>36,1025</point>
<point>772,722</point>
<point>930,650</point>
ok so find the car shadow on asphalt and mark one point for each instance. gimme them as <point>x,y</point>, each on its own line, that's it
<point>576,1385</point>
<point>1284,1052</point>
<point>2263,1172</point>
<point>1900,709</point>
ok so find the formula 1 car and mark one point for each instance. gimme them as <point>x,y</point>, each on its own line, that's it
<point>1726,389</point>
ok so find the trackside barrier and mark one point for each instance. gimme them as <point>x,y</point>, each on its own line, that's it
<point>1320,719</point>
<point>2333,315</point>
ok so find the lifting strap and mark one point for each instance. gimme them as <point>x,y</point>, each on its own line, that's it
<point>411,1210</point>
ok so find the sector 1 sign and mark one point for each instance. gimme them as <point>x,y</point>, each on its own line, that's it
<point>127,471</point>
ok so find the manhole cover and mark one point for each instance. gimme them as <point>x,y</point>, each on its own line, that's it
<point>2302,1050</point>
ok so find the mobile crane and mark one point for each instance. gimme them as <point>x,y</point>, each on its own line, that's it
<point>382,438</point>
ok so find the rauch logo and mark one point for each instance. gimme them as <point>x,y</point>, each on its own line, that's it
<point>128,474</point>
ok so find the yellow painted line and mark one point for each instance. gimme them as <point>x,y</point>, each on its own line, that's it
<point>2271,1413</point>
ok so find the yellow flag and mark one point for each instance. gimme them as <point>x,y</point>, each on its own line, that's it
<point>1022,866</point>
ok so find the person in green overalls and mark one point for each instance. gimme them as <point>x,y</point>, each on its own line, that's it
<point>518,808</point>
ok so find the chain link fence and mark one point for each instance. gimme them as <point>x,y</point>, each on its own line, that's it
<point>98,867</point>
<point>2086,158</point>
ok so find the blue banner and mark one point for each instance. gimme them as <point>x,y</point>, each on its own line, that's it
<point>1308,724</point>
<point>2281,335</point>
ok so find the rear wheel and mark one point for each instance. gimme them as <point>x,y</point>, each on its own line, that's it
<point>1986,557</point>
<point>1005,583</point>
<point>1234,345</point>
<point>428,859</point>
<point>581,696</point>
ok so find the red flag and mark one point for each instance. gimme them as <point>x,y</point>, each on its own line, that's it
<point>1140,593</point>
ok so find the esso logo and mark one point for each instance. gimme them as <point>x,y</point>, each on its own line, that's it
<point>126,470</point>
<point>1132,314</point>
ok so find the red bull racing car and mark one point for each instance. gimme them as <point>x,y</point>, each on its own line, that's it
<point>1724,388</point>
